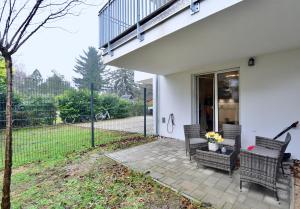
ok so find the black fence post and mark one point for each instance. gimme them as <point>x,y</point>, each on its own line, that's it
<point>145,112</point>
<point>92,116</point>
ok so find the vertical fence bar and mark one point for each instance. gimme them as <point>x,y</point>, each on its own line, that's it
<point>145,112</point>
<point>92,116</point>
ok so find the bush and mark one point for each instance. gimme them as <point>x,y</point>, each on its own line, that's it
<point>31,111</point>
<point>74,106</point>
<point>137,108</point>
<point>35,111</point>
<point>16,104</point>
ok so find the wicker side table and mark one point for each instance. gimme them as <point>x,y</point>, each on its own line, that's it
<point>223,161</point>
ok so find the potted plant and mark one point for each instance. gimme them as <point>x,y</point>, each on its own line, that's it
<point>213,139</point>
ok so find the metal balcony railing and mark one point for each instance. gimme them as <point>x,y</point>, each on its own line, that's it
<point>119,17</point>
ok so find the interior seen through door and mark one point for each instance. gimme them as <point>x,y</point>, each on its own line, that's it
<point>228,98</point>
<point>221,104</point>
<point>206,101</point>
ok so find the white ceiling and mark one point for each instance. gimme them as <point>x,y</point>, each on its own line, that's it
<point>250,28</point>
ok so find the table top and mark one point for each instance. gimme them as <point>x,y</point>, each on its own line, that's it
<point>228,151</point>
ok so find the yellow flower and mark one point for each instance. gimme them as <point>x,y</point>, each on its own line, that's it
<point>219,139</point>
<point>210,135</point>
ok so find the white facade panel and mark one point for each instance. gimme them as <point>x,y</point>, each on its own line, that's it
<point>269,97</point>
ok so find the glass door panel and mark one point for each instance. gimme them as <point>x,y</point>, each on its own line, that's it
<point>206,101</point>
<point>228,98</point>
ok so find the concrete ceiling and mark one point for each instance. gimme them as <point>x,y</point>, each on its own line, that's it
<point>250,28</point>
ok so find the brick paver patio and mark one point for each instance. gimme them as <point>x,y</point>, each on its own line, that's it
<point>165,161</point>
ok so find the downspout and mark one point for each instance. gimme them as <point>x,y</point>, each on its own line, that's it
<point>156,104</point>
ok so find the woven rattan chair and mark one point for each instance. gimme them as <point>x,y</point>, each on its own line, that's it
<point>194,139</point>
<point>232,136</point>
<point>261,165</point>
<point>275,144</point>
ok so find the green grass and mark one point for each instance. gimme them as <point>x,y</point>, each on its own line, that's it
<point>90,180</point>
<point>39,144</point>
<point>65,173</point>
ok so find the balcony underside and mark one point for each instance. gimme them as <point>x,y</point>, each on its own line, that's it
<point>249,28</point>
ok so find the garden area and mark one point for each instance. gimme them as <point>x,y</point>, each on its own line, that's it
<point>88,179</point>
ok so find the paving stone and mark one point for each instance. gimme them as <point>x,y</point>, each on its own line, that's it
<point>187,187</point>
<point>199,193</point>
<point>256,195</point>
<point>222,185</point>
<point>271,200</point>
<point>208,171</point>
<point>254,203</point>
<point>241,198</point>
<point>240,206</point>
<point>229,198</point>
<point>156,175</point>
<point>215,201</point>
<point>211,181</point>
<point>167,162</point>
<point>227,206</point>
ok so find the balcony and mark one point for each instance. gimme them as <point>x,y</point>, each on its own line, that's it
<point>121,17</point>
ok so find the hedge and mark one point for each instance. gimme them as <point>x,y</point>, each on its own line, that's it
<point>74,106</point>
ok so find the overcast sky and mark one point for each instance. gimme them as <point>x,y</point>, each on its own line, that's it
<point>55,49</point>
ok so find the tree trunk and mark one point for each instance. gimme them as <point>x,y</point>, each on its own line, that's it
<point>5,204</point>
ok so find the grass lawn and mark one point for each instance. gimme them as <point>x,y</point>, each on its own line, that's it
<point>39,144</point>
<point>88,179</point>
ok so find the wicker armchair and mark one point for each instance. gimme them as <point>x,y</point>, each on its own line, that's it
<point>275,144</point>
<point>194,139</point>
<point>232,136</point>
<point>261,165</point>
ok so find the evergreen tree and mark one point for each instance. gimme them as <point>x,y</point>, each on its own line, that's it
<point>55,84</point>
<point>91,68</point>
<point>36,77</point>
<point>121,82</point>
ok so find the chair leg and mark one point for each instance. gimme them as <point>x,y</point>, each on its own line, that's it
<point>282,168</point>
<point>241,184</point>
<point>276,195</point>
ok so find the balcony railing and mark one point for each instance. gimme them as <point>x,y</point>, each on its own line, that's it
<point>119,17</point>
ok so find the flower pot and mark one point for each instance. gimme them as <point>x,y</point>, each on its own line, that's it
<point>213,146</point>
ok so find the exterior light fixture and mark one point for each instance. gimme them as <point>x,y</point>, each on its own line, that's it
<point>251,62</point>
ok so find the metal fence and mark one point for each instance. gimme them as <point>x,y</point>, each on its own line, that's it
<point>51,119</point>
<point>118,16</point>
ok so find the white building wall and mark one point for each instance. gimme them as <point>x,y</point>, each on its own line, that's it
<point>269,97</point>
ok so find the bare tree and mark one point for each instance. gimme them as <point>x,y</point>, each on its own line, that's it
<point>19,21</point>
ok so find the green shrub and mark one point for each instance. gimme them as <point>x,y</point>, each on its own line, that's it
<point>39,110</point>
<point>74,105</point>
<point>137,108</point>
<point>16,104</point>
<point>30,111</point>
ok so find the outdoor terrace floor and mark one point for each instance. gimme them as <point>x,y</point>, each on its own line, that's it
<point>165,160</point>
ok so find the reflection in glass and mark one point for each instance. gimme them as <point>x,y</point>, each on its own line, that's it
<point>228,98</point>
<point>206,101</point>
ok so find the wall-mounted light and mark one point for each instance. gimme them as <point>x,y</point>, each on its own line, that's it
<point>251,62</point>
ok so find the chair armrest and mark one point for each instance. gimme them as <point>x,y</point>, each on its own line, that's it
<point>268,143</point>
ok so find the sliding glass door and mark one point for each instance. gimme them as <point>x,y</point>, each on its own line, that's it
<point>206,101</point>
<point>228,98</point>
<point>217,99</point>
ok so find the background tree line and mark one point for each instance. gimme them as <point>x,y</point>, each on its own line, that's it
<point>39,101</point>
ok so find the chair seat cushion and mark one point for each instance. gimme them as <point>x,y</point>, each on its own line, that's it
<point>228,142</point>
<point>265,152</point>
<point>197,141</point>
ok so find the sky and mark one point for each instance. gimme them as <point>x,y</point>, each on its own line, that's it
<point>56,49</point>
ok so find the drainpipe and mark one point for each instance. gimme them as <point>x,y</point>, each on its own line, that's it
<point>156,84</point>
